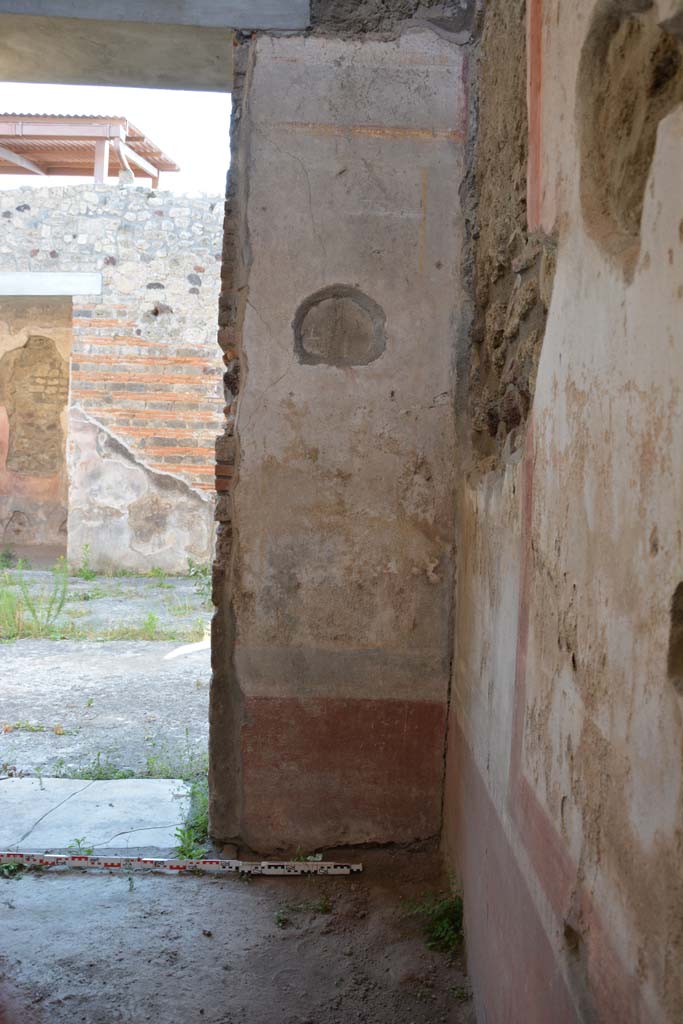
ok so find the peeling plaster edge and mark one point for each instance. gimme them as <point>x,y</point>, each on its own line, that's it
<point>226,707</point>
<point>130,454</point>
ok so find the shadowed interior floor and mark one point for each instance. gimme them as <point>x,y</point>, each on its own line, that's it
<point>104,949</point>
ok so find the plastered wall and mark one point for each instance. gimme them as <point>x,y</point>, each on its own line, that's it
<point>564,796</point>
<point>334,571</point>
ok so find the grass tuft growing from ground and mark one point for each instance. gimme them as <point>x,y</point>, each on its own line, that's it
<point>38,613</point>
<point>32,613</point>
<point>442,920</point>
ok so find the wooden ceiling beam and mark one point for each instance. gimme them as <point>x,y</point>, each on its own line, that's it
<point>19,161</point>
<point>128,156</point>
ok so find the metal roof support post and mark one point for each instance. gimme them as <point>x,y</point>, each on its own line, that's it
<point>101,161</point>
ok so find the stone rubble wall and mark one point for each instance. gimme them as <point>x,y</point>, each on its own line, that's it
<point>35,346</point>
<point>144,364</point>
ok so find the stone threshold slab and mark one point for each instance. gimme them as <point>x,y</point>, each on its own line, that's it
<point>49,815</point>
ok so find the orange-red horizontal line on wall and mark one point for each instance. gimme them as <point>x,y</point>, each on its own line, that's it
<point>180,468</point>
<point>87,307</point>
<point>109,360</point>
<point>206,416</point>
<point>139,378</point>
<point>378,131</point>
<point>165,432</point>
<point>178,450</point>
<point>112,342</point>
<point>176,397</point>
<point>86,321</point>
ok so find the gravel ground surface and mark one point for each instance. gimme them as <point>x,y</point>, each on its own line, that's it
<point>64,702</point>
<point>66,705</point>
<point>123,602</point>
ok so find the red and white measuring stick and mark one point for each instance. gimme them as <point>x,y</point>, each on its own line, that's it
<point>211,867</point>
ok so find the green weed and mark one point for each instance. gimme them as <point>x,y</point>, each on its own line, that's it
<point>7,559</point>
<point>442,920</point>
<point>11,869</point>
<point>201,576</point>
<point>187,847</point>
<point>180,607</point>
<point>11,614</point>
<point>198,818</point>
<point>160,576</point>
<point>79,846</point>
<point>23,726</point>
<point>187,764</point>
<point>101,767</point>
<point>42,609</point>
<point>95,593</point>
<point>84,570</point>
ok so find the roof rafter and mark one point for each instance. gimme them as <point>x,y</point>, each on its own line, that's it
<point>20,161</point>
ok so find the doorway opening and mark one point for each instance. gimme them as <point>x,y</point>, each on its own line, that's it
<point>111,396</point>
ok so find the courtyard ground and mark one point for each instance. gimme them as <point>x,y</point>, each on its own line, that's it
<point>118,682</point>
<point>117,686</point>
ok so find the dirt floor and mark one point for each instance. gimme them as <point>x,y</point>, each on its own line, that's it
<point>105,950</point>
<point>138,704</point>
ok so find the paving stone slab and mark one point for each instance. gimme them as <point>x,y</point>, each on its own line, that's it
<point>47,815</point>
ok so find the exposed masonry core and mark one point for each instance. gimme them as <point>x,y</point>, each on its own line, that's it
<point>365,16</point>
<point>339,326</point>
<point>35,346</point>
<point>34,383</point>
<point>512,270</point>
<point>675,659</point>
<point>225,713</point>
<point>631,76</point>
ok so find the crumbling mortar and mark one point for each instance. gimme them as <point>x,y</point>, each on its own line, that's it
<point>386,19</point>
<point>226,700</point>
<point>509,270</point>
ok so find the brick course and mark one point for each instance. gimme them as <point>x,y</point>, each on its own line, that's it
<point>144,353</point>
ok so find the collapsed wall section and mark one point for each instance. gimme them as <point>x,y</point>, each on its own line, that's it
<point>144,369</point>
<point>334,570</point>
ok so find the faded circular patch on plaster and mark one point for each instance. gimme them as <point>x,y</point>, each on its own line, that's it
<point>339,326</point>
